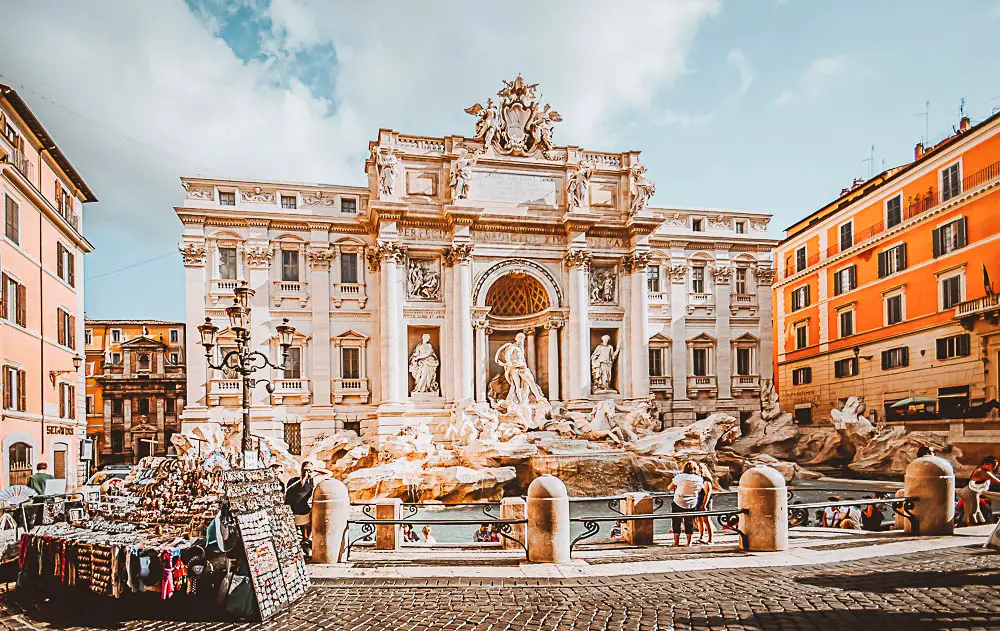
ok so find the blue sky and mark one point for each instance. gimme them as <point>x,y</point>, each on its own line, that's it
<point>767,105</point>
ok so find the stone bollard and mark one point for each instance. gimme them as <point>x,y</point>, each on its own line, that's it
<point>932,481</point>
<point>330,512</point>
<point>388,537</point>
<point>638,533</point>
<point>512,508</point>
<point>548,520</point>
<point>762,493</point>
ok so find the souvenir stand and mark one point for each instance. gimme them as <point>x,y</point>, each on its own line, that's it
<point>163,531</point>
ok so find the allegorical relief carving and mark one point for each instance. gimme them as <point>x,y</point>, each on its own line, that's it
<point>758,225</point>
<point>424,367</point>
<point>602,362</point>
<point>319,199</point>
<point>577,184</point>
<point>387,170</point>
<point>675,219</point>
<point>259,257</point>
<point>518,126</point>
<point>423,279</point>
<point>603,285</point>
<point>461,174</point>
<point>258,196</point>
<point>643,189</point>
<point>678,273</point>
<point>197,192</point>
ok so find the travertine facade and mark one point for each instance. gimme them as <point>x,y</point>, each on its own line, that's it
<point>402,292</point>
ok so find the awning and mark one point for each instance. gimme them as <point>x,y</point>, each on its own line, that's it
<point>908,401</point>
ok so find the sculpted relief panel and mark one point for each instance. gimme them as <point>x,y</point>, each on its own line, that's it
<point>603,286</point>
<point>423,279</point>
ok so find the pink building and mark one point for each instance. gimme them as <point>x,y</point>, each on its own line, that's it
<point>41,304</point>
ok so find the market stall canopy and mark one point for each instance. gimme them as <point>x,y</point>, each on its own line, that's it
<point>908,401</point>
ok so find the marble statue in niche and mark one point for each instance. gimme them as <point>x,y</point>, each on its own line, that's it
<point>524,399</point>
<point>576,185</point>
<point>387,165</point>
<point>602,362</point>
<point>424,367</point>
<point>423,280</point>
<point>603,283</point>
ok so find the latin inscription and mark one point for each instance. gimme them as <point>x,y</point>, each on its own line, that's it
<point>514,188</point>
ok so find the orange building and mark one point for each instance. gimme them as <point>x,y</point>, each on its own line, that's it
<point>41,300</point>
<point>135,387</point>
<point>881,293</point>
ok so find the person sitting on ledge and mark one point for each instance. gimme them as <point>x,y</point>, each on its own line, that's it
<point>849,518</point>
<point>924,450</point>
<point>408,535</point>
<point>871,516</point>
<point>830,518</point>
<point>616,530</point>
<point>971,495</point>
<point>428,537</point>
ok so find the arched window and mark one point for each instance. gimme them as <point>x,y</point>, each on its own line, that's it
<point>19,462</point>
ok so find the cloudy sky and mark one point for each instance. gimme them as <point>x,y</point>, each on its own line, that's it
<point>759,104</point>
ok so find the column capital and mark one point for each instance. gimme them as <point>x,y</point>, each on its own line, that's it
<point>678,273</point>
<point>528,330</point>
<point>765,275</point>
<point>458,253</point>
<point>637,260</point>
<point>320,258</point>
<point>194,254</point>
<point>554,324</point>
<point>580,258</point>
<point>722,275</point>
<point>389,251</point>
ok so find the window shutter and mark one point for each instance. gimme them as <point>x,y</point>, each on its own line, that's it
<point>881,264</point>
<point>942,348</point>
<point>8,393</point>
<point>72,402</point>
<point>3,295</point>
<point>60,329</point>
<point>71,261</point>
<point>21,399</point>
<point>838,369</point>
<point>71,333</point>
<point>852,276</point>
<point>936,239</point>
<point>885,359</point>
<point>806,297</point>
<point>22,305</point>
<point>836,283</point>
<point>906,356</point>
<point>809,375</point>
<point>62,401</point>
<point>963,238</point>
<point>902,255</point>
<point>60,270</point>
<point>963,345</point>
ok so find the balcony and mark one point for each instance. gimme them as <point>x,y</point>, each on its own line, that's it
<point>291,290</point>
<point>987,307</point>
<point>343,388</point>
<point>746,302</point>
<point>745,383</point>
<point>915,206</point>
<point>225,389</point>
<point>291,391</point>
<point>661,383</point>
<point>222,288</point>
<point>22,164</point>
<point>349,291</point>
<point>705,302</point>
<point>702,384</point>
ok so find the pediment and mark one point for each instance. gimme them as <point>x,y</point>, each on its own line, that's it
<point>143,429</point>
<point>660,338</point>
<point>143,341</point>
<point>702,338</point>
<point>350,334</point>
<point>747,337</point>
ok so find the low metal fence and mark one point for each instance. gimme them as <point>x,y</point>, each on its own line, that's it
<point>410,509</point>
<point>798,514</point>
<point>727,520</point>
<point>369,528</point>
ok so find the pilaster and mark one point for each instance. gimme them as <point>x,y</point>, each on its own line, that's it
<point>387,259</point>
<point>459,257</point>
<point>638,324</point>
<point>764,278</point>
<point>320,257</point>
<point>578,328</point>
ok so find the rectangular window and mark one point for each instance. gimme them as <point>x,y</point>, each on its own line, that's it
<point>293,438</point>
<point>14,301</point>
<point>169,406</point>
<point>348,205</point>
<point>741,227</point>
<point>894,309</point>
<point>800,298</point>
<point>845,367</point>
<point>846,322</point>
<point>698,279</point>
<point>175,359</point>
<point>846,236</point>
<point>800,259</point>
<point>14,389</point>
<point>288,201</point>
<point>175,336</point>
<point>349,268</point>
<point>953,346</point>
<point>698,225</point>
<point>142,406</point>
<point>90,404</point>
<point>116,335</point>
<point>293,368</point>
<point>227,198</point>
<point>290,265</point>
<point>950,237</point>
<point>653,279</point>
<point>350,362</point>
<point>227,263</point>
<point>896,358</point>
<point>11,220</point>
<point>892,260</point>
<point>118,407</point>
<point>744,361</point>
<point>951,291</point>
<point>801,376</point>
<point>894,211</point>
<point>88,336</point>
<point>65,328</point>
<point>656,362</point>
<point>804,415</point>
<point>845,280</point>
<point>116,358</point>
<point>741,281</point>
<point>951,183</point>
<point>65,264</point>
<point>700,362</point>
<point>801,335</point>
<point>67,396</point>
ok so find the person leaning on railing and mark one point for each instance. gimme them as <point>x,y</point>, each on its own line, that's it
<point>686,487</point>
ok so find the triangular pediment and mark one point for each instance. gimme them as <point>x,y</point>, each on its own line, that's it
<point>143,429</point>
<point>143,341</point>
<point>660,338</point>
<point>702,338</point>
<point>351,334</point>
<point>747,337</point>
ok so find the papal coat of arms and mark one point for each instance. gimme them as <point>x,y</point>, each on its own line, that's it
<point>518,126</point>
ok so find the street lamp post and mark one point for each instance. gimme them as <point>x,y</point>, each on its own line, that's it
<point>243,360</point>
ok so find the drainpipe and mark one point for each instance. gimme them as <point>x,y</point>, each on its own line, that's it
<point>41,307</point>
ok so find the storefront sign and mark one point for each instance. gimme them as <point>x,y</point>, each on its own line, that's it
<point>59,430</point>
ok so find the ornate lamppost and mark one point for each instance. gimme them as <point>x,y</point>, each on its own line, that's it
<point>243,360</point>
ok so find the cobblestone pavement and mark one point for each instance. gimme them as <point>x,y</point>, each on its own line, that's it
<point>945,589</point>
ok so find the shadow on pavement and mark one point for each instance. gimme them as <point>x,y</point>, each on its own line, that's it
<point>831,620</point>
<point>881,582</point>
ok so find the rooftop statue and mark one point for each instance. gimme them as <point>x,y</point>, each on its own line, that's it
<point>519,126</point>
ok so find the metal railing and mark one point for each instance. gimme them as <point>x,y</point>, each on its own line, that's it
<point>369,526</point>
<point>727,519</point>
<point>798,514</point>
<point>411,508</point>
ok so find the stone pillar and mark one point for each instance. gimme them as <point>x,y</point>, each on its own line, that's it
<point>548,521</point>
<point>319,289</point>
<point>259,279</point>
<point>762,493</point>
<point>331,510</point>
<point>931,481</point>
<point>765,362</point>
<point>106,439</point>
<point>161,406</point>
<point>638,533</point>
<point>389,256</point>
<point>196,286</point>
<point>725,353</point>
<point>553,350</point>
<point>578,328</point>
<point>898,521</point>
<point>459,255</point>
<point>387,537</point>
<point>482,358</point>
<point>530,350</point>
<point>638,325</point>
<point>513,508</point>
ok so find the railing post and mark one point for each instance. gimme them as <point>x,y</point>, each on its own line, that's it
<point>331,510</point>
<point>764,497</point>
<point>513,508</point>
<point>387,535</point>
<point>931,481</point>
<point>548,521</point>
<point>638,533</point>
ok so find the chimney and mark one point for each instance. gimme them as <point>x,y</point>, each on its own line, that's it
<point>964,125</point>
<point>918,151</point>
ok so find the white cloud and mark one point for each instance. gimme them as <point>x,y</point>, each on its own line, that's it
<point>784,98</point>
<point>157,73</point>
<point>670,118</point>
<point>819,78</point>
<point>739,59</point>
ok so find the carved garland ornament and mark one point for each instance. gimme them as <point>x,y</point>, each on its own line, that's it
<point>194,255</point>
<point>259,196</point>
<point>259,257</point>
<point>318,199</point>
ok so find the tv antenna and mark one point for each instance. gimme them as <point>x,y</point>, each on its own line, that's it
<point>927,116</point>
<point>871,162</point>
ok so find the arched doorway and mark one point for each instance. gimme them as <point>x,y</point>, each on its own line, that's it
<point>19,463</point>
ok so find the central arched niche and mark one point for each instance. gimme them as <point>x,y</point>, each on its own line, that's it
<point>516,294</point>
<point>516,301</point>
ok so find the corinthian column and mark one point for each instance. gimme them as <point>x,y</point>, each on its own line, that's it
<point>387,258</point>
<point>459,255</point>
<point>578,328</point>
<point>319,285</point>
<point>638,324</point>
<point>482,360</point>
<point>196,287</point>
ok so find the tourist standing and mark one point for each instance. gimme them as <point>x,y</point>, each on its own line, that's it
<point>703,524</point>
<point>37,480</point>
<point>428,537</point>
<point>299,493</point>
<point>686,486</point>
<point>971,495</point>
